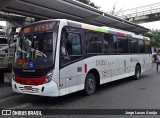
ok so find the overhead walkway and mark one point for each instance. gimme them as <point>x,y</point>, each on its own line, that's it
<point>142,14</point>
<point>67,9</point>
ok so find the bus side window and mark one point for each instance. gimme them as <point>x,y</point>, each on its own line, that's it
<point>123,45</point>
<point>93,42</point>
<point>110,43</point>
<point>75,44</point>
<point>133,45</point>
<point>141,45</point>
<point>70,49</point>
<point>148,47</point>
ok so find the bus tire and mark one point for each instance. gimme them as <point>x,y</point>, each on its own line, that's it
<point>90,84</point>
<point>137,72</point>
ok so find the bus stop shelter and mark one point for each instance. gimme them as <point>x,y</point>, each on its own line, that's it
<point>67,9</point>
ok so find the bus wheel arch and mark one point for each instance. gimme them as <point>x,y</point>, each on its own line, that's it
<point>137,71</point>
<point>97,76</point>
<point>93,79</point>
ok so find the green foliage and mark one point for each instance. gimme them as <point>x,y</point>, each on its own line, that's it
<point>88,2</point>
<point>154,35</point>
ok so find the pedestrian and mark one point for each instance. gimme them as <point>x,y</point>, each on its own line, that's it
<point>158,60</point>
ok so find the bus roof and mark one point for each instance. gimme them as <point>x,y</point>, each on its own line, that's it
<point>103,29</point>
<point>106,29</point>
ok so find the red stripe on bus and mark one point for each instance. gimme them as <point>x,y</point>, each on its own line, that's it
<point>85,68</point>
<point>125,64</point>
<point>30,81</point>
<point>120,34</point>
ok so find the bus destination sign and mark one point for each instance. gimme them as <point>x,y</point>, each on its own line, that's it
<point>39,28</point>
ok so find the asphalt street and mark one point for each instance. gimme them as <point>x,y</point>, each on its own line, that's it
<point>122,94</point>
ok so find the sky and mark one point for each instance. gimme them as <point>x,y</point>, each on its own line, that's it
<point>107,6</point>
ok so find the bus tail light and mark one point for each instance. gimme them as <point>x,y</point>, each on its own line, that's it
<point>85,68</point>
<point>49,77</point>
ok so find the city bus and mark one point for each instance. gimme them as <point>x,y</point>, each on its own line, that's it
<point>59,57</point>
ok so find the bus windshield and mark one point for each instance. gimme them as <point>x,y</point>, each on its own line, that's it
<point>36,51</point>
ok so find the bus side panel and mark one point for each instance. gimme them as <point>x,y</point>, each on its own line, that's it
<point>148,62</point>
<point>126,67</point>
<point>72,78</point>
<point>106,65</point>
<point>145,61</point>
<point>142,59</point>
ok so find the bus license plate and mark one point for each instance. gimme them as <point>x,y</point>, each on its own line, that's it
<point>28,87</point>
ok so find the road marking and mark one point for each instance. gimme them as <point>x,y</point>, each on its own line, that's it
<point>20,106</point>
<point>6,95</point>
<point>8,98</point>
<point>54,106</point>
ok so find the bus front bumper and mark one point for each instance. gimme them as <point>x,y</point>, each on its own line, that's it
<point>49,89</point>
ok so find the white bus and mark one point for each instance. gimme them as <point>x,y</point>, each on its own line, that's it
<point>58,57</point>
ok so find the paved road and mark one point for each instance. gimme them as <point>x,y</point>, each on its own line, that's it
<point>122,94</point>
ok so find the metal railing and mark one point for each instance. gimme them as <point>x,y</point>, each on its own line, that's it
<point>5,55</point>
<point>140,11</point>
<point>4,50</point>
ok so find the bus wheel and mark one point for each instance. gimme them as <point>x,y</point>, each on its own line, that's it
<point>137,72</point>
<point>90,84</point>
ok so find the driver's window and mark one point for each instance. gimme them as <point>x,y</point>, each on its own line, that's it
<point>70,49</point>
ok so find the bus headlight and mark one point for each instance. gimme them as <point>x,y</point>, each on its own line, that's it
<point>49,77</point>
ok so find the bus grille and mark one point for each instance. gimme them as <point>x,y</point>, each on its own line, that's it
<point>29,75</point>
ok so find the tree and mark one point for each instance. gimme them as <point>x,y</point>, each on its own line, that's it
<point>154,35</point>
<point>88,2</point>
